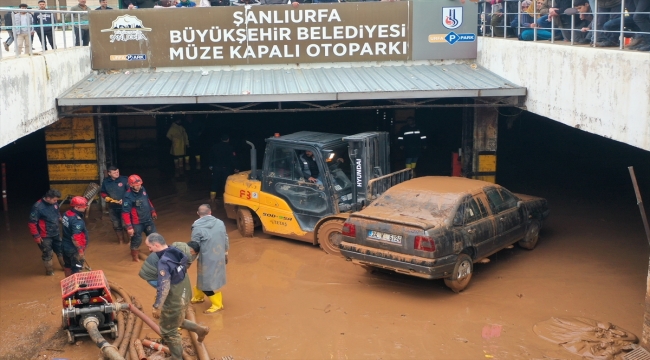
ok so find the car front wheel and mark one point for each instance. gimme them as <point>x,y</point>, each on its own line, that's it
<point>462,274</point>
<point>532,235</point>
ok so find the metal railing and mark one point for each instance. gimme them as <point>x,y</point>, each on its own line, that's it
<point>378,186</point>
<point>66,21</point>
<point>494,18</point>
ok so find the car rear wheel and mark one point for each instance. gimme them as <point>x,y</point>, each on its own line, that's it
<point>462,274</point>
<point>245,222</point>
<point>329,236</point>
<point>532,235</point>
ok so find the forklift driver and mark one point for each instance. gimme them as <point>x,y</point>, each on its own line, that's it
<point>310,167</point>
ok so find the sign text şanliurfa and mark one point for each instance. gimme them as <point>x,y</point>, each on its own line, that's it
<point>258,35</point>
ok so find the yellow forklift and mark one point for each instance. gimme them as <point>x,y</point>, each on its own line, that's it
<point>288,202</point>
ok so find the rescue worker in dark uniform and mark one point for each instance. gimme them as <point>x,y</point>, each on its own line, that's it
<point>310,167</point>
<point>75,236</point>
<point>113,189</point>
<point>43,223</point>
<point>173,294</point>
<point>411,140</point>
<point>138,214</point>
<point>223,162</point>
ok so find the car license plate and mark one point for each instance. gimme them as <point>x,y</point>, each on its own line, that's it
<point>377,235</point>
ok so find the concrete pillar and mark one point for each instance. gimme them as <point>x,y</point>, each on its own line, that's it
<point>479,154</point>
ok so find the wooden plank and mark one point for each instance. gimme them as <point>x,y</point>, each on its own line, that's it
<point>62,172</point>
<point>59,152</point>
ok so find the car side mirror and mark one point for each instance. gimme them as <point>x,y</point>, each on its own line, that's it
<point>519,203</point>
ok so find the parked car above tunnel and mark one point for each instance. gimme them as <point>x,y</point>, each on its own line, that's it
<point>437,227</point>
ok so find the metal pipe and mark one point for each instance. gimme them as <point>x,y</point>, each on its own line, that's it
<point>253,175</point>
<point>639,202</point>
<point>595,22</point>
<point>5,206</point>
<point>109,351</point>
<point>201,112</point>
<point>621,37</point>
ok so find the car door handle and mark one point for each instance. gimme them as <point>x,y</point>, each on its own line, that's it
<point>470,231</point>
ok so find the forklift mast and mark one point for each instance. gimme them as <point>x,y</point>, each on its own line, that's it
<point>370,158</point>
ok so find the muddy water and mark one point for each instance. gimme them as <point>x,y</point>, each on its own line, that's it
<point>289,300</point>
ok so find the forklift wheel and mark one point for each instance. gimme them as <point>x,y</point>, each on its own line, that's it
<point>245,223</point>
<point>70,337</point>
<point>329,236</point>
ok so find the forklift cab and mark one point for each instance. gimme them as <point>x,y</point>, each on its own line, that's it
<point>286,175</point>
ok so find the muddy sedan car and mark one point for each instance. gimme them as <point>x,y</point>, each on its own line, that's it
<point>438,227</point>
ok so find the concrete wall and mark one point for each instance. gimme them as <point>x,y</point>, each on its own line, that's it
<point>30,86</point>
<point>602,91</point>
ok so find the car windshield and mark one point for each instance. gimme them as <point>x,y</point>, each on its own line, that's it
<point>423,205</point>
<point>338,162</point>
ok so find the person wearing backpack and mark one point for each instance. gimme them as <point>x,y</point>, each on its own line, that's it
<point>173,293</point>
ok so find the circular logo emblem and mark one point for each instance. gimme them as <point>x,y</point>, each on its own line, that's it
<point>119,184</point>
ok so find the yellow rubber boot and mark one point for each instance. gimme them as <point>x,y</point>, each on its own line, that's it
<point>217,303</point>
<point>197,296</point>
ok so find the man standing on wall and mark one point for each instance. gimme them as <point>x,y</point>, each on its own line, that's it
<point>23,29</point>
<point>411,141</point>
<point>178,136</point>
<point>9,20</point>
<point>44,225</point>
<point>223,160</point>
<point>172,295</point>
<point>43,22</point>
<point>81,24</point>
<point>138,214</point>
<point>209,233</point>
<point>75,236</point>
<point>113,189</point>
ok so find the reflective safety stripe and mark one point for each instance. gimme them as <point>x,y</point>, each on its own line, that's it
<point>408,133</point>
<point>423,137</point>
<point>416,132</point>
<point>400,138</point>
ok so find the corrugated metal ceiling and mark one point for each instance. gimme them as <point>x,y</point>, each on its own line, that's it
<point>295,84</point>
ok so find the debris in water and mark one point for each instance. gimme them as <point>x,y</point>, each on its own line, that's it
<point>586,337</point>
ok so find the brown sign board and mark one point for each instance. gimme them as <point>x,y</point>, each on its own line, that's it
<point>214,36</point>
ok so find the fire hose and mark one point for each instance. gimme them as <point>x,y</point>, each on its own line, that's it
<point>126,344</point>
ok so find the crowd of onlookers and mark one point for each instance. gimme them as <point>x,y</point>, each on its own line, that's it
<point>22,25</point>
<point>571,20</point>
<point>568,20</point>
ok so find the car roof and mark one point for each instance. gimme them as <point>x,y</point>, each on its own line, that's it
<point>442,184</point>
<point>318,139</point>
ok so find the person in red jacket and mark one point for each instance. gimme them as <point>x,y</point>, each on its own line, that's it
<point>44,226</point>
<point>75,236</point>
<point>138,214</point>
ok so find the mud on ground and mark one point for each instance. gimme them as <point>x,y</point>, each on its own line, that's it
<point>289,300</point>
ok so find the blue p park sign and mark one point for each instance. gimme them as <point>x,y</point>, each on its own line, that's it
<point>136,57</point>
<point>453,38</point>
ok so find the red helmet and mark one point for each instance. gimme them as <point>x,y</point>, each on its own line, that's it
<point>134,179</point>
<point>79,201</point>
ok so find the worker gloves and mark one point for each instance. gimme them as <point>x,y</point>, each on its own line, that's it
<point>80,257</point>
<point>155,313</point>
<point>38,240</point>
<point>154,215</point>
